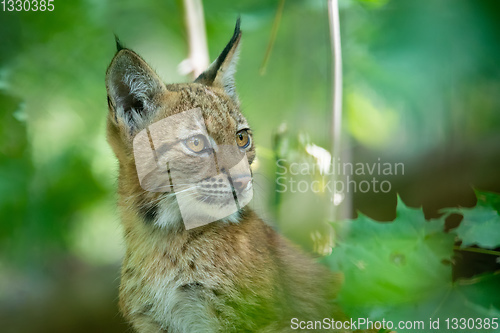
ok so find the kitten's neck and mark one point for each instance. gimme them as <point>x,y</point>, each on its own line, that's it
<point>167,223</point>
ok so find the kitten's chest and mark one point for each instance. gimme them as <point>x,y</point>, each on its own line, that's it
<point>179,284</point>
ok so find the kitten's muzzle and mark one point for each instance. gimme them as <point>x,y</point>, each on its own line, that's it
<point>240,183</point>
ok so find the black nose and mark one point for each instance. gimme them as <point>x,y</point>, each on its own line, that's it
<point>241,183</point>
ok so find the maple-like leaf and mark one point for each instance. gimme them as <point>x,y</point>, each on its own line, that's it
<point>481,224</point>
<point>391,262</point>
<point>400,272</point>
<point>463,306</point>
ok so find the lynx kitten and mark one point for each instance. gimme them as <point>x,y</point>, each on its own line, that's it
<point>197,258</point>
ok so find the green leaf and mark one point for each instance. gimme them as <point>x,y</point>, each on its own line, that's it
<point>391,263</point>
<point>399,271</point>
<point>471,299</point>
<point>480,225</point>
<point>488,199</point>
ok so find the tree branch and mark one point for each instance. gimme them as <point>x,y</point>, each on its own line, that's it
<point>198,59</point>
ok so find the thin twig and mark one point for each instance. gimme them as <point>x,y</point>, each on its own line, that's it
<point>336,125</point>
<point>198,59</point>
<point>476,250</point>
<point>272,38</point>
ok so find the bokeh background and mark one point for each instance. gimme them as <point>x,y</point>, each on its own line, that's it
<point>421,87</point>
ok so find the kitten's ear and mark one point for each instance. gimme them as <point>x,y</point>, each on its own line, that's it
<point>221,71</point>
<point>132,87</point>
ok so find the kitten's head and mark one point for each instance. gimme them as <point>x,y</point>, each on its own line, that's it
<point>184,149</point>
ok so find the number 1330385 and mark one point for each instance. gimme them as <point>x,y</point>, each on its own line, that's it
<point>27,5</point>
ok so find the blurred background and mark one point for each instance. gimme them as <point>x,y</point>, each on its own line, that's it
<point>421,88</point>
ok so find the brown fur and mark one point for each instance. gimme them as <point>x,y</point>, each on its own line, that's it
<point>227,276</point>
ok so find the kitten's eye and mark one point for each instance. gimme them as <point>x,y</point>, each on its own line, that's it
<point>243,139</point>
<point>197,143</point>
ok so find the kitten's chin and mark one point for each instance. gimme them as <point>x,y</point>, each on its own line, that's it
<point>170,218</point>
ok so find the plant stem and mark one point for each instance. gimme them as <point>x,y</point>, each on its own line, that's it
<point>476,250</point>
<point>272,38</point>
<point>336,124</point>
<point>197,37</point>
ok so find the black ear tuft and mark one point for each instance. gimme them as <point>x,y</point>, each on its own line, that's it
<point>119,45</point>
<point>236,35</point>
<point>221,71</point>
<point>231,44</point>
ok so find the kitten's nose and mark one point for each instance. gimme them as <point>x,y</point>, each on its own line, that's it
<point>241,182</point>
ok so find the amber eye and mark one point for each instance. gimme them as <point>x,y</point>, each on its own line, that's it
<point>197,143</point>
<point>243,139</point>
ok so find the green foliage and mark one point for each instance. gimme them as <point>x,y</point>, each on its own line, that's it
<point>374,3</point>
<point>397,71</point>
<point>401,270</point>
<point>481,224</point>
<point>472,298</point>
<point>409,90</point>
<point>16,167</point>
<point>397,261</point>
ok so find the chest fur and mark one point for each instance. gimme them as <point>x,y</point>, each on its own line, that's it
<point>194,281</point>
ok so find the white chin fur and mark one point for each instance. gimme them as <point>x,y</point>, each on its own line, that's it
<point>170,218</point>
<point>169,215</point>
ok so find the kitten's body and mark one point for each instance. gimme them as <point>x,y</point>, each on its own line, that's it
<point>220,277</point>
<point>232,275</point>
